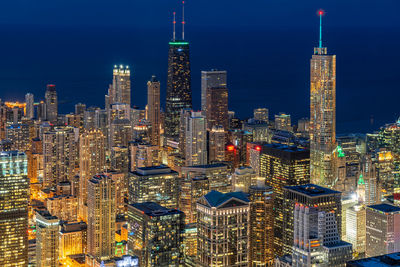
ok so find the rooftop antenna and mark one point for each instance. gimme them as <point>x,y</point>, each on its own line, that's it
<point>183,20</point>
<point>173,23</point>
<point>320,14</point>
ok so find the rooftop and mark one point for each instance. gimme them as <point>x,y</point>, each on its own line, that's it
<point>161,169</point>
<point>312,190</point>
<point>378,261</point>
<point>385,208</point>
<point>216,198</point>
<point>284,147</point>
<point>153,209</point>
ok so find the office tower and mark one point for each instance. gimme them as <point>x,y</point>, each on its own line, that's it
<point>348,200</point>
<point>41,111</point>
<point>368,183</point>
<point>89,118</point>
<point>211,79</point>
<point>283,122</point>
<point>303,127</point>
<point>232,236</point>
<point>261,225</point>
<point>142,131</point>
<point>322,114</point>
<point>309,195</point>
<point>72,238</point>
<point>35,160</point>
<point>120,132</point>
<point>217,175</point>
<point>120,159</point>
<point>356,228</point>
<point>261,114</point>
<point>155,234</point>
<point>47,243</point>
<point>121,190</point>
<point>92,161</point>
<point>317,240</point>
<point>190,244</point>
<point>179,92</point>
<point>64,207</point>
<point>120,90</point>
<point>30,108</point>
<point>13,209</point>
<point>155,184</point>
<point>387,171</point>
<point>59,155</point>
<point>382,228</point>
<point>216,144</point>
<point>183,126</point>
<point>51,103</point>
<point>242,178</point>
<point>195,140</point>
<point>74,120</point>
<point>101,217</point>
<point>282,166</point>
<point>143,155</point>
<point>253,155</point>
<point>153,105</point>
<point>18,134</point>
<point>259,130</point>
<point>192,189</point>
<point>80,109</point>
<point>232,155</point>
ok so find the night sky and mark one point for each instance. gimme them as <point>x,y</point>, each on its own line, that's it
<point>265,45</point>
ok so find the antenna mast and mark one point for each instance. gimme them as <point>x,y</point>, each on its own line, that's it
<point>320,13</point>
<point>173,23</point>
<point>183,20</point>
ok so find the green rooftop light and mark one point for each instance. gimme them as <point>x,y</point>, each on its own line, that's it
<point>178,43</point>
<point>340,152</point>
<point>361,180</point>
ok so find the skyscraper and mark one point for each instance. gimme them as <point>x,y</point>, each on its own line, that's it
<point>322,115</point>
<point>261,114</point>
<point>179,92</point>
<point>51,103</point>
<point>101,218</point>
<point>92,161</point>
<point>47,243</point>
<point>211,79</point>
<point>14,198</point>
<point>216,144</point>
<point>30,108</point>
<point>195,139</point>
<point>120,90</point>
<point>153,109</point>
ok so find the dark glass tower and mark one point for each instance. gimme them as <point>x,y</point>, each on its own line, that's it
<point>179,94</point>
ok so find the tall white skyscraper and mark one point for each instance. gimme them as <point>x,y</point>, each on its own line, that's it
<point>195,139</point>
<point>30,108</point>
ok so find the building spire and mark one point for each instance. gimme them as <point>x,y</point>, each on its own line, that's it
<point>183,20</point>
<point>320,14</point>
<point>173,23</point>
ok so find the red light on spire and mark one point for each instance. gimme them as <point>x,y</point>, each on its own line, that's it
<point>258,148</point>
<point>320,12</point>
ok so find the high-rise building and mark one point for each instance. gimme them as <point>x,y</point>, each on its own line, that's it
<point>368,183</point>
<point>72,238</point>
<point>382,229</point>
<point>317,240</point>
<point>211,79</point>
<point>356,228</point>
<point>19,135</point>
<point>216,144</point>
<point>223,229</point>
<point>121,133</point>
<point>92,161</point>
<point>120,90</point>
<point>51,103</point>
<point>64,207</point>
<point>155,234</point>
<point>153,109</point>
<point>192,189</point>
<point>59,155</point>
<point>80,109</point>
<point>217,174</point>
<point>242,178</point>
<point>282,166</point>
<point>261,114</point>
<point>261,226</point>
<point>179,92</point>
<point>14,198</point>
<point>101,217</point>
<point>154,184</point>
<point>47,242</point>
<point>283,122</point>
<point>195,139</point>
<point>143,155</point>
<point>322,115</point>
<point>30,108</point>
<point>309,195</point>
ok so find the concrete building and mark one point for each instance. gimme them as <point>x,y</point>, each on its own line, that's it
<point>47,242</point>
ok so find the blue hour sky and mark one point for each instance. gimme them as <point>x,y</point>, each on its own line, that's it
<point>265,45</point>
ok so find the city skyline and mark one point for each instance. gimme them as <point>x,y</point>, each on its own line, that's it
<point>349,116</point>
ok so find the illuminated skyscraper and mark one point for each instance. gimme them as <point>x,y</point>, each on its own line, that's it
<point>155,234</point>
<point>261,114</point>
<point>261,226</point>
<point>356,228</point>
<point>223,219</point>
<point>195,139</point>
<point>18,134</point>
<point>192,189</point>
<point>283,122</point>
<point>14,198</point>
<point>101,218</point>
<point>120,90</point>
<point>51,103</point>
<point>282,166</point>
<point>30,108</point>
<point>216,144</point>
<point>179,92</point>
<point>47,243</point>
<point>322,115</point>
<point>211,79</point>
<point>153,106</point>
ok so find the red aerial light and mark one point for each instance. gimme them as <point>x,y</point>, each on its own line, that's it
<point>320,12</point>
<point>258,148</point>
<point>230,147</point>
